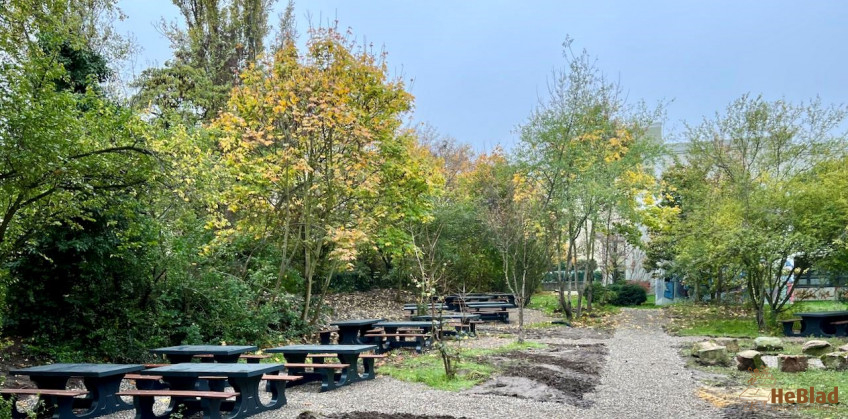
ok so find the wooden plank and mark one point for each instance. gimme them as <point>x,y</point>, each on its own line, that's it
<point>178,393</point>
<point>44,391</point>
<point>373,356</point>
<point>281,377</point>
<point>304,365</point>
<point>142,377</point>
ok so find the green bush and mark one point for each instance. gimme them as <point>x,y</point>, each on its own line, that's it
<point>601,294</point>
<point>627,295</point>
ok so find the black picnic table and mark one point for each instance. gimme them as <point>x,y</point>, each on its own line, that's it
<point>347,354</point>
<point>819,324</point>
<point>351,331</point>
<point>101,380</point>
<point>244,379</point>
<point>464,318</point>
<point>420,343</point>
<point>220,353</point>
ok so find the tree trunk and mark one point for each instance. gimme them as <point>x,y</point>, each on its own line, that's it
<point>565,303</point>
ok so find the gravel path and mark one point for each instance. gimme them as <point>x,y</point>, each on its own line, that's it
<point>644,377</point>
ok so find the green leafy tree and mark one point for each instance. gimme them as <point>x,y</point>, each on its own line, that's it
<point>219,40</point>
<point>65,147</point>
<point>754,156</point>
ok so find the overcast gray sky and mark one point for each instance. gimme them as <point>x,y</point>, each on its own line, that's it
<point>479,67</point>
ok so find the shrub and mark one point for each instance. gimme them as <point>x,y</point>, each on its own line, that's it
<point>601,294</point>
<point>628,295</point>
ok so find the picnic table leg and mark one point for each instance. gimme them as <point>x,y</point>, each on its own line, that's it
<point>349,374</point>
<point>247,402</point>
<point>144,408</point>
<point>50,383</point>
<point>368,370</point>
<point>103,398</point>
<point>348,336</point>
<point>278,394</point>
<point>297,359</point>
<point>181,383</point>
<point>787,328</point>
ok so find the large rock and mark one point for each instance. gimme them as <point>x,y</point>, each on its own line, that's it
<point>835,361</point>
<point>843,348</point>
<point>749,360</point>
<point>767,343</point>
<point>792,363</point>
<point>714,355</point>
<point>732,344</point>
<point>816,347</point>
<point>699,346</point>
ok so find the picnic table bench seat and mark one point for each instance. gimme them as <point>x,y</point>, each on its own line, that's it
<point>328,373</point>
<point>143,400</point>
<point>62,399</point>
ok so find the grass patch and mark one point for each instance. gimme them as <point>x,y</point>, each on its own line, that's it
<point>471,370</point>
<point>600,316</point>
<point>700,319</point>
<point>547,303</point>
<point>812,306</point>
<point>690,319</point>
<point>428,369</point>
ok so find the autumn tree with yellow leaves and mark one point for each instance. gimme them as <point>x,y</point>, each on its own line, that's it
<point>313,145</point>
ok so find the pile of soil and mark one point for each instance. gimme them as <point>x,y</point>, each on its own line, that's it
<point>371,415</point>
<point>561,373</point>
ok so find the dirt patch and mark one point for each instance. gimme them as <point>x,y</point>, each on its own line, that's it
<point>372,415</point>
<point>562,374</point>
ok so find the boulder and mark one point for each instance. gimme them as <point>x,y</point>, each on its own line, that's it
<point>699,346</point>
<point>767,343</point>
<point>714,355</point>
<point>835,361</point>
<point>816,347</point>
<point>843,348</point>
<point>749,360</point>
<point>792,363</point>
<point>732,344</point>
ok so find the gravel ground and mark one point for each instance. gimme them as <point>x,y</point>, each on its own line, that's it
<point>644,377</point>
